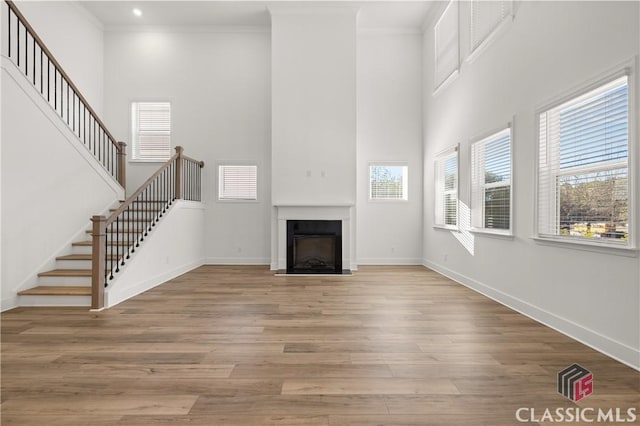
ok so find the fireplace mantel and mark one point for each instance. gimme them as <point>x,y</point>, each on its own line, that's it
<point>344,212</point>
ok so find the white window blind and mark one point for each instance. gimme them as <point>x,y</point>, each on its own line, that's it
<point>447,51</point>
<point>491,182</point>
<point>583,182</point>
<point>237,182</point>
<point>388,181</point>
<point>486,17</point>
<point>151,126</point>
<point>446,189</point>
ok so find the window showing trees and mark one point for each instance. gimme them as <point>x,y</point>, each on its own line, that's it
<point>388,181</point>
<point>491,182</point>
<point>446,189</point>
<point>583,183</point>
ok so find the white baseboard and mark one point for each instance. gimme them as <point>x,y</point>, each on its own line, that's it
<point>9,303</point>
<point>614,349</point>
<point>117,295</point>
<point>389,261</point>
<point>237,261</point>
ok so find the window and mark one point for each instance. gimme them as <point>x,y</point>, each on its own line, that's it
<point>447,49</point>
<point>491,182</point>
<point>446,190</point>
<point>151,128</point>
<point>583,182</point>
<point>388,181</point>
<point>486,17</point>
<point>237,182</point>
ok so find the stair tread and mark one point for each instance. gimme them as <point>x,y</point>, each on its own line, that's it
<point>120,231</point>
<point>66,273</point>
<point>138,210</point>
<point>76,257</point>
<point>56,291</point>
<point>111,243</point>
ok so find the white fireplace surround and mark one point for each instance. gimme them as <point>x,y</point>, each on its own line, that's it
<point>342,212</point>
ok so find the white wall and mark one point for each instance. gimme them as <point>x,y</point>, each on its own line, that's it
<point>175,246</point>
<point>75,38</point>
<point>550,48</point>
<point>51,185</point>
<point>313,105</point>
<point>389,82</point>
<point>218,83</point>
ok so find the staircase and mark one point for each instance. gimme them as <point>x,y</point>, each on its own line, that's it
<point>91,264</point>
<point>69,284</point>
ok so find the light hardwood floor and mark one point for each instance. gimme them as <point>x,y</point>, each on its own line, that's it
<point>239,346</point>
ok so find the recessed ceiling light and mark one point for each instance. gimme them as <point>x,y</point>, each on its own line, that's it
<point>137,12</point>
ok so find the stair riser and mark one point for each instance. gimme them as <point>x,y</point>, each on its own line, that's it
<point>54,301</point>
<point>151,213</point>
<point>73,264</point>
<point>64,281</point>
<point>120,237</point>
<point>80,249</point>
<point>86,249</point>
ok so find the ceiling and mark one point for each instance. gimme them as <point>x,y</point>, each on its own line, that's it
<point>408,15</point>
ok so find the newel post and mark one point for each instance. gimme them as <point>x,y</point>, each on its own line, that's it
<point>179,151</point>
<point>122,164</point>
<point>98,253</point>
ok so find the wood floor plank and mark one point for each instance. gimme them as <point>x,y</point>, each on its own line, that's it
<point>369,386</point>
<point>308,405</point>
<point>236,345</point>
<point>102,405</point>
<point>311,370</point>
<point>228,420</point>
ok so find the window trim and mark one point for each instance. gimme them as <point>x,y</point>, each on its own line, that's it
<point>237,163</point>
<point>500,28</point>
<point>446,81</point>
<point>405,189</point>
<point>441,157</point>
<point>131,157</point>
<point>627,68</point>
<point>482,230</point>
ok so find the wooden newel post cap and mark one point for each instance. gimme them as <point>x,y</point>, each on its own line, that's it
<point>201,164</point>
<point>179,150</point>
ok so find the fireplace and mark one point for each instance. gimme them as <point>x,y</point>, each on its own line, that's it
<point>314,246</point>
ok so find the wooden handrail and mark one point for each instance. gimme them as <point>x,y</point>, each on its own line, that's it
<point>142,187</point>
<point>200,163</point>
<point>57,65</point>
<point>162,188</point>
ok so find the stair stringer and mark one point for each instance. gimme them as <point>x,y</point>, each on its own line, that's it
<point>34,110</point>
<point>48,264</point>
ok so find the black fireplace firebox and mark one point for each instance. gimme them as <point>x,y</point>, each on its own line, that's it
<point>314,246</point>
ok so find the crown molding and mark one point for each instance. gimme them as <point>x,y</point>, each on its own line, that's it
<point>314,9</point>
<point>188,29</point>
